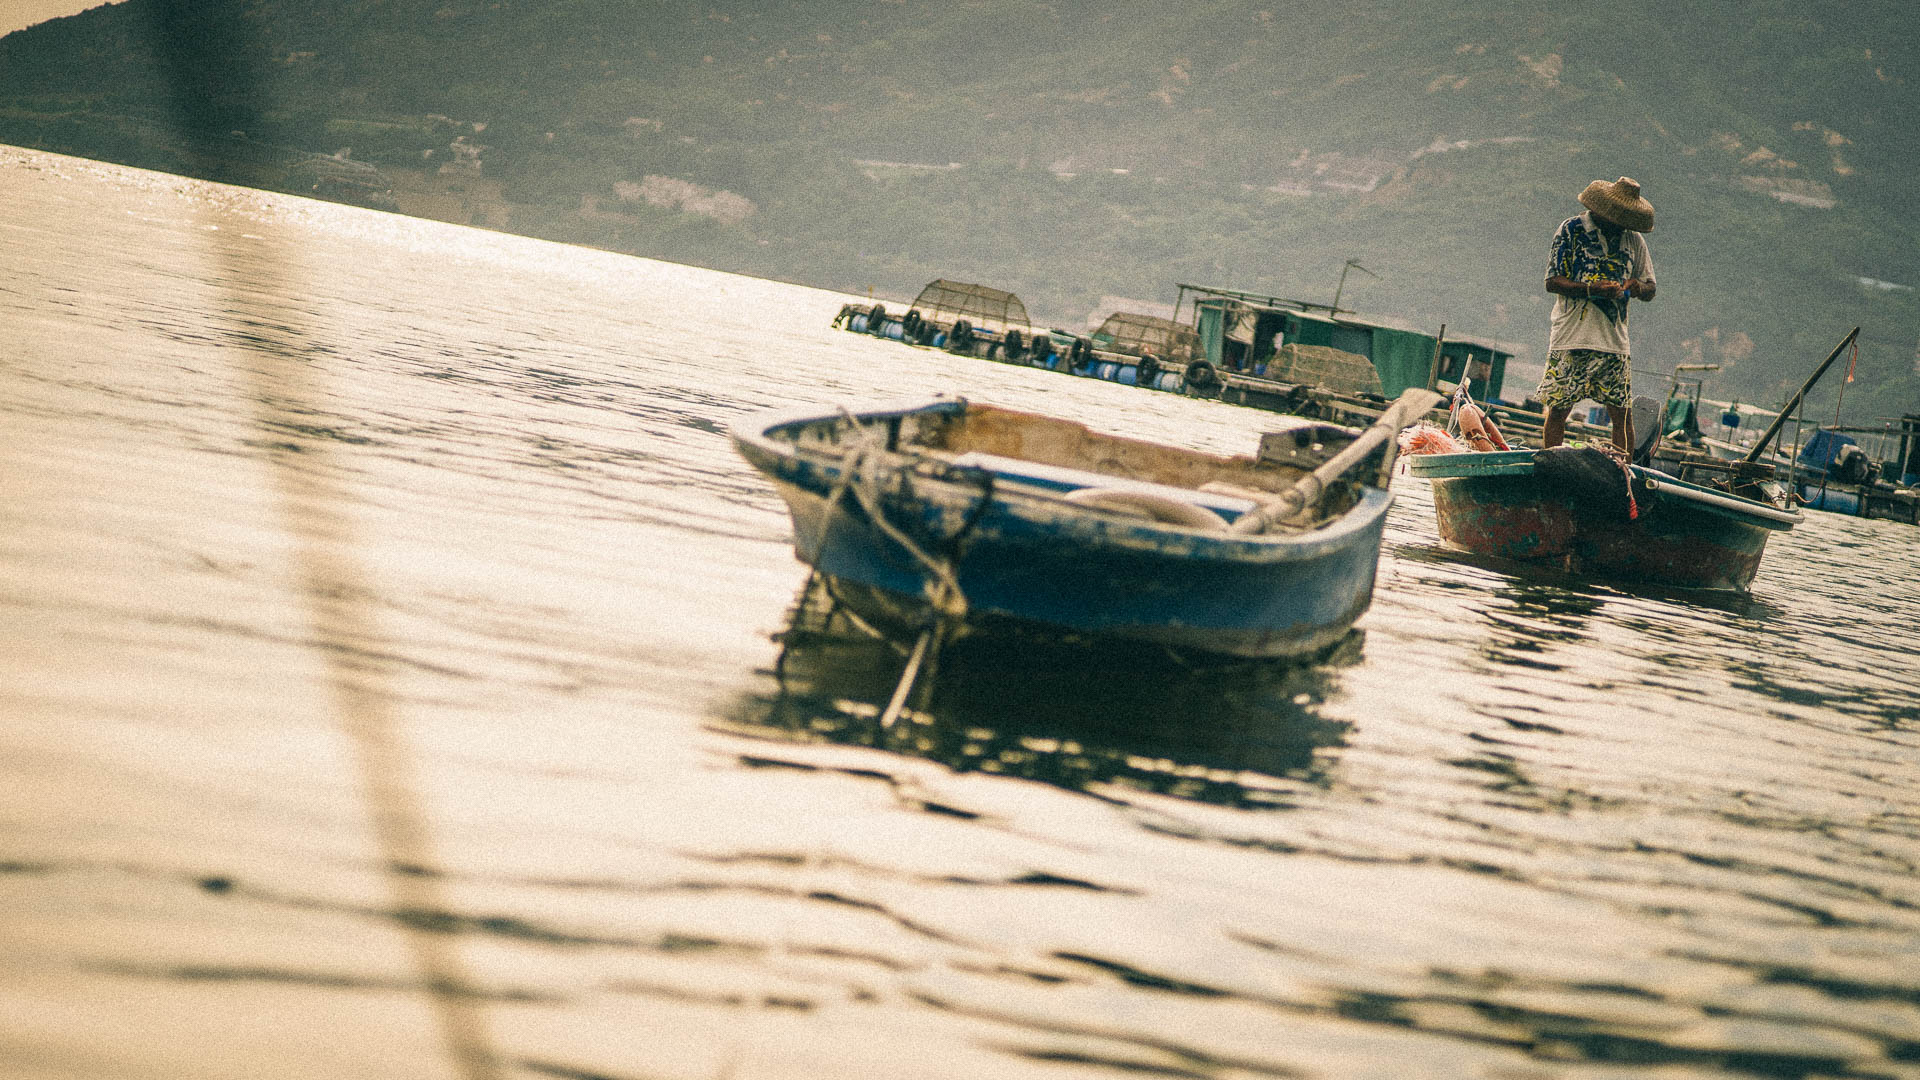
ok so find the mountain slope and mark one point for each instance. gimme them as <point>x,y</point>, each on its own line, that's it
<point>1073,151</point>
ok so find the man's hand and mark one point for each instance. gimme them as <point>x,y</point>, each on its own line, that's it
<point>1601,290</point>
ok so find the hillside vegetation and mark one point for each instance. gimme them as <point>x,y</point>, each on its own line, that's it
<point>1072,151</point>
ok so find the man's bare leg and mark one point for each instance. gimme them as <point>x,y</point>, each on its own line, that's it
<point>1555,430</point>
<point>1622,428</point>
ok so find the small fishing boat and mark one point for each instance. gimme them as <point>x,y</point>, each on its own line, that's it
<point>1626,522</point>
<point>971,515</point>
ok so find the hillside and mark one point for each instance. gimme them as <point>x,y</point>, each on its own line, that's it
<point>1069,152</point>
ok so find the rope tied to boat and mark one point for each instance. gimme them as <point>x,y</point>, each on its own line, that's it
<point>860,475</point>
<point>1625,462</point>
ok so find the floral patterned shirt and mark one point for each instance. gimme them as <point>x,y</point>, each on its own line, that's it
<point>1581,252</point>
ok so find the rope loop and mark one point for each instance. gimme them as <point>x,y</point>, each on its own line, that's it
<point>860,475</point>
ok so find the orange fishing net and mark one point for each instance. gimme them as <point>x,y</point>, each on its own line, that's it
<point>1425,438</point>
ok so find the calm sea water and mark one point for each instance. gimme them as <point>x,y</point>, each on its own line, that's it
<point>388,663</point>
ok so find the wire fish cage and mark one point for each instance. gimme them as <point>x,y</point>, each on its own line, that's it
<point>1320,365</point>
<point>1128,332</point>
<point>981,306</point>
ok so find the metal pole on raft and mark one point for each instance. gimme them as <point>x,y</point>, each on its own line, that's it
<point>1352,264</point>
<point>1832,456</point>
<point>1433,368</point>
<point>1793,462</point>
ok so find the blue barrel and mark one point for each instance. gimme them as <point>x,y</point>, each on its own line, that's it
<point>894,329</point>
<point>1127,375</point>
<point>940,340</point>
<point>1832,499</point>
<point>1105,369</point>
<point>858,324</point>
<point>1167,380</point>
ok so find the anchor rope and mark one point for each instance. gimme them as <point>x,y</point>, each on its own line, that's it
<point>860,476</point>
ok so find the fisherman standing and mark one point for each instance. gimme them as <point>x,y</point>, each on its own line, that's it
<point>1598,262</point>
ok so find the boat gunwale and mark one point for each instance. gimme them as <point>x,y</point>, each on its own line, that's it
<point>1042,509</point>
<point>1470,466</point>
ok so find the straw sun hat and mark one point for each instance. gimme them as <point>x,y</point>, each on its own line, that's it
<point>1619,202</point>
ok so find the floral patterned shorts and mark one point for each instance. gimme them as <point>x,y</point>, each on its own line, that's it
<point>1574,375</point>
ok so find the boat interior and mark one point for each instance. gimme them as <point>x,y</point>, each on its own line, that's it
<point>1064,457</point>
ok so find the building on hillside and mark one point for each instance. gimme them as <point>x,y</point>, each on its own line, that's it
<point>339,179</point>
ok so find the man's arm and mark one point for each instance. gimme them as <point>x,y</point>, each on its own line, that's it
<point>1596,290</point>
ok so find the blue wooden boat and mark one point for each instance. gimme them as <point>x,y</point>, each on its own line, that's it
<point>1681,534</point>
<point>983,515</point>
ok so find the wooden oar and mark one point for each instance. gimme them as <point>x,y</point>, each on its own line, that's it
<point>1410,406</point>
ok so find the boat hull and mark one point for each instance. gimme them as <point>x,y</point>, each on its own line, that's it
<point>1683,536</point>
<point>1175,594</point>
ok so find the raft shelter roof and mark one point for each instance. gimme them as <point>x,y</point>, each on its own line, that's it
<point>1126,331</point>
<point>949,301</point>
<point>1401,357</point>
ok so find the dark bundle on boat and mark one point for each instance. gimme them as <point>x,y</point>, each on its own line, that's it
<point>1594,482</point>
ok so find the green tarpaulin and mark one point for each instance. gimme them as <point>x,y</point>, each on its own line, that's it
<point>1403,359</point>
<point>1680,417</point>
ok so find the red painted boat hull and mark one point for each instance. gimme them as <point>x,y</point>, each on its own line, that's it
<point>1503,510</point>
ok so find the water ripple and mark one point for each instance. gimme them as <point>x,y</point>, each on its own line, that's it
<point>1520,825</point>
